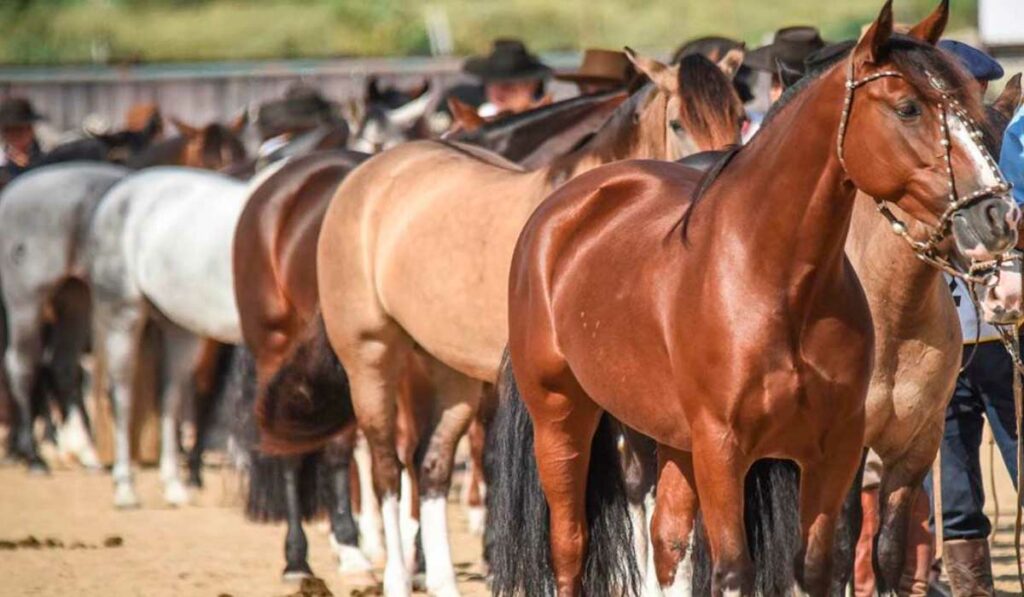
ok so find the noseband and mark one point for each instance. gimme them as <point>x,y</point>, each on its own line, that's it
<point>928,250</point>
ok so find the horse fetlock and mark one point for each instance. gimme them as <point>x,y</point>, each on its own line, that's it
<point>175,493</point>
<point>476,519</point>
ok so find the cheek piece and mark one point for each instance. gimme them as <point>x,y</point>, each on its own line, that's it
<point>928,250</point>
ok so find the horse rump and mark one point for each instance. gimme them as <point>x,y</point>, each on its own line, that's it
<point>773,529</point>
<point>518,542</point>
<point>307,401</point>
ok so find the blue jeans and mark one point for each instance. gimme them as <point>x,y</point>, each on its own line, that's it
<point>984,389</point>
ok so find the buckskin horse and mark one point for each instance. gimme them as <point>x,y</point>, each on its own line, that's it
<point>414,250</point>
<point>275,283</point>
<point>723,320</point>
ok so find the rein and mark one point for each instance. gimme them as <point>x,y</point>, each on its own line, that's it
<point>928,250</point>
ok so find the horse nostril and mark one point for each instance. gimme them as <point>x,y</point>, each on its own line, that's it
<point>996,217</point>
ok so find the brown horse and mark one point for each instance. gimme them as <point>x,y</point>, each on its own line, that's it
<point>414,251</point>
<point>733,333</point>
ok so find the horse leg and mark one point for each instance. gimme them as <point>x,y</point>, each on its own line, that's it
<point>640,468</point>
<point>121,336</point>
<point>456,400</point>
<point>71,336</point>
<point>824,486</point>
<point>564,428</point>
<point>344,533</point>
<point>370,528</point>
<point>179,349</point>
<point>373,376</point>
<point>22,358</point>
<point>295,545</point>
<point>901,482</point>
<point>474,500</point>
<point>208,366</point>
<point>675,508</point>
<point>720,472</point>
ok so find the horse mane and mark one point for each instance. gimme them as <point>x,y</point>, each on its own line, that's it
<point>703,88</point>
<point>529,118</point>
<point>917,61</point>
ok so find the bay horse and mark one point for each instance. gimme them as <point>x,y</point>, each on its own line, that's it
<point>620,272</point>
<point>414,249</point>
<point>46,222</point>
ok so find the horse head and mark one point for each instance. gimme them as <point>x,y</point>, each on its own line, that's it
<point>390,116</point>
<point>695,106</point>
<point>119,147</point>
<point>911,133</point>
<point>214,146</point>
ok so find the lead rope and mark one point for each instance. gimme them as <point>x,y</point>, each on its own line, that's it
<point>1011,341</point>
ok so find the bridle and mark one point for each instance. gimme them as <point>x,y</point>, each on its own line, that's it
<point>980,272</point>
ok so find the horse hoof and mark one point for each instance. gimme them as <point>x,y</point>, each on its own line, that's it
<point>38,467</point>
<point>125,498</point>
<point>295,574</point>
<point>351,559</point>
<point>175,494</point>
<point>397,583</point>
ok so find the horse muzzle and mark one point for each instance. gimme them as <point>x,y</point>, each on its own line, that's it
<point>987,229</point>
<point>1003,302</point>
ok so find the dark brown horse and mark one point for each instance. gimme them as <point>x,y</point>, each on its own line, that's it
<point>728,329</point>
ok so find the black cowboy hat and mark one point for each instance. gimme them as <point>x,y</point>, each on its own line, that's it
<point>301,108</point>
<point>508,61</point>
<point>791,46</point>
<point>15,111</point>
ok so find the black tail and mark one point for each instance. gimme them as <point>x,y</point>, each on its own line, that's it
<point>518,541</point>
<point>308,401</point>
<point>265,491</point>
<point>771,491</point>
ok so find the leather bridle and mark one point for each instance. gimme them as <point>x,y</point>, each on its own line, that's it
<point>980,272</point>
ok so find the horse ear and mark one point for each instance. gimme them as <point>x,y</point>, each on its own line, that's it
<point>732,61</point>
<point>185,129</point>
<point>872,46</point>
<point>154,126</point>
<point>931,28</point>
<point>664,76</point>
<point>1008,101</point>
<point>238,124</point>
<point>372,90</point>
<point>787,75</point>
<point>464,114</point>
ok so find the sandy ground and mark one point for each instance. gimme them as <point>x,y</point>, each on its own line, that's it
<point>208,548</point>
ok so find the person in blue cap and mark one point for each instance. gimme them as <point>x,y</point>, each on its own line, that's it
<point>984,389</point>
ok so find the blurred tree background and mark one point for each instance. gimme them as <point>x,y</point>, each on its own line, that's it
<point>85,31</point>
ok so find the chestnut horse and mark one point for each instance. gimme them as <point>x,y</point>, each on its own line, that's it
<point>414,250</point>
<point>628,294</point>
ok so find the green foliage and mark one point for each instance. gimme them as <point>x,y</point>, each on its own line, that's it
<point>52,31</point>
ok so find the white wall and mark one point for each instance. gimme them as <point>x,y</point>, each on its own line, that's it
<point>1001,22</point>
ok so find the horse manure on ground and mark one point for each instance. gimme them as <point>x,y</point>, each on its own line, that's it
<point>312,587</point>
<point>32,542</point>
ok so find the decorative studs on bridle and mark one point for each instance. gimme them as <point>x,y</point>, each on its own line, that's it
<point>928,249</point>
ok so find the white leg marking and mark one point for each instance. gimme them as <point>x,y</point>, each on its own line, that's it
<point>397,580</point>
<point>409,525</point>
<point>73,440</point>
<point>476,519</point>
<point>370,537</point>
<point>440,572</point>
<point>175,493</point>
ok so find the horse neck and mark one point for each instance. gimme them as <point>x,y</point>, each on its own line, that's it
<point>886,266</point>
<point>636,130</point>
<point>787,192</point>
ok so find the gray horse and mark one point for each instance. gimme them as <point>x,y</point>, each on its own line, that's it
<point>44,216</point>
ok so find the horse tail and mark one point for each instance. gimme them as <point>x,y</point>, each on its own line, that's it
<point>264,483</point>
<point>771,489</point>
<point>307,401</point>
<point>520,551</point>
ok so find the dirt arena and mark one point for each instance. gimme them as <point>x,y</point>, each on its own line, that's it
<point>60,536</point>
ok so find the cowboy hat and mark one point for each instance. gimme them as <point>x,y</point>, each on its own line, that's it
<point>600,67</point>
<point>16,111</point>
<point>790,47</point>
<point>508,61</point>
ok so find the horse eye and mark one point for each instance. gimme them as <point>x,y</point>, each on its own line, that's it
<point>908,110</point>
<point>677,127</point>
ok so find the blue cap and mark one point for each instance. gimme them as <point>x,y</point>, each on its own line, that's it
<point>981,66</point>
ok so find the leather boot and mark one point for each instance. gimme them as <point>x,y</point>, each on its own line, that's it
<point>863,571</point>
<point>914,580</point>
<point>969,567</point>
